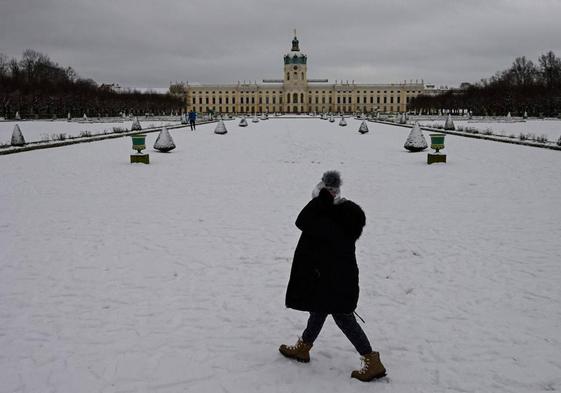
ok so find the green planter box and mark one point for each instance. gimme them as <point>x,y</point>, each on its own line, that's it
<point>139,142</point>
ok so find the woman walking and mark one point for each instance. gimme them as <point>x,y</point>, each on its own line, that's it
<point>324,275</point>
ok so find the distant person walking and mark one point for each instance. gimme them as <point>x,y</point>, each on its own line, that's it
<point>324,275</point>
<point>192,120</point>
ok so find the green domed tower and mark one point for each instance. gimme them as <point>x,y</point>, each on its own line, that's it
<point>295,77</point>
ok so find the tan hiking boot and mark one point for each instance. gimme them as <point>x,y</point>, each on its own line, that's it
<point>300,351</point>
<point>372,368</point>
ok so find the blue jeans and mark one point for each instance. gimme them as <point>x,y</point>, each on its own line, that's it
<point>348,325</point>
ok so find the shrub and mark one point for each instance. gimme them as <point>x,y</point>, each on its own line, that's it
<point>542,138</point>
<point>85,134</point>
<point>58,137</point>
<point>488,131</point>
<point>512,136</point>
<point>119,129</point>
<point>559,141</point>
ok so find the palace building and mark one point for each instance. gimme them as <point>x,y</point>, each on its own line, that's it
<point>295,93</point>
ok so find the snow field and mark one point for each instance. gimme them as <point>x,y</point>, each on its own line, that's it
<point>550,128</point>
<point>38,130</point>
<point>170,277</point>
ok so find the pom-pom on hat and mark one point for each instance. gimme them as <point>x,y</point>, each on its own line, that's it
<point>332,179</point>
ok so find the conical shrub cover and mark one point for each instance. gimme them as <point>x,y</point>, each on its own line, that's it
<point>416,140</point>
<point>449,125</point>
<point>255,119</point>
<point>363,127</point>
<point>402,119</point>
<point>331,119</point>
<point>136,125</point>
<point>18,117</point>
<point>17,137</point>
<point>69,116</point>
<point>164,141</point>
<point>243,122</point>
<point>342,122</point>
<point>85,117</point>
<point>220,128</point>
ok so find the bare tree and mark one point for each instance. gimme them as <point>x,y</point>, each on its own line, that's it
<point>550,69</point>
<point>523,72</point>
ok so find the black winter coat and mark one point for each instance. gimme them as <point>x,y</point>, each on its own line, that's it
<point>324,275</point>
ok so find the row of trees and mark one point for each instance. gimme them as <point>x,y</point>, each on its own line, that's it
<point>524,87</point>
<point>35,86</point>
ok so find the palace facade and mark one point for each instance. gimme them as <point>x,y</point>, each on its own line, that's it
<point>295,93</point>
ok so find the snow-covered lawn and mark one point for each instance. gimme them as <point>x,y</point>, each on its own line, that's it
<point>550,128</point>
<point>170,277</point>
<point>39,130</point>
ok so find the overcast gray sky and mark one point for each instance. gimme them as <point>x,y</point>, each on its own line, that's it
<point>146,43</point>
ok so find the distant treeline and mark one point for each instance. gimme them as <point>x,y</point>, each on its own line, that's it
<point>524,87</point>
<point>35,86</point>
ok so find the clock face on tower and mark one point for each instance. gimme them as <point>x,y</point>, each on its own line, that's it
<point>295,67</point>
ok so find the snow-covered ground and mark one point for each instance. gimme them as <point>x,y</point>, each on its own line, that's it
<point>550,128</point>
<point>38,130</point>
<point>170,277</point>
